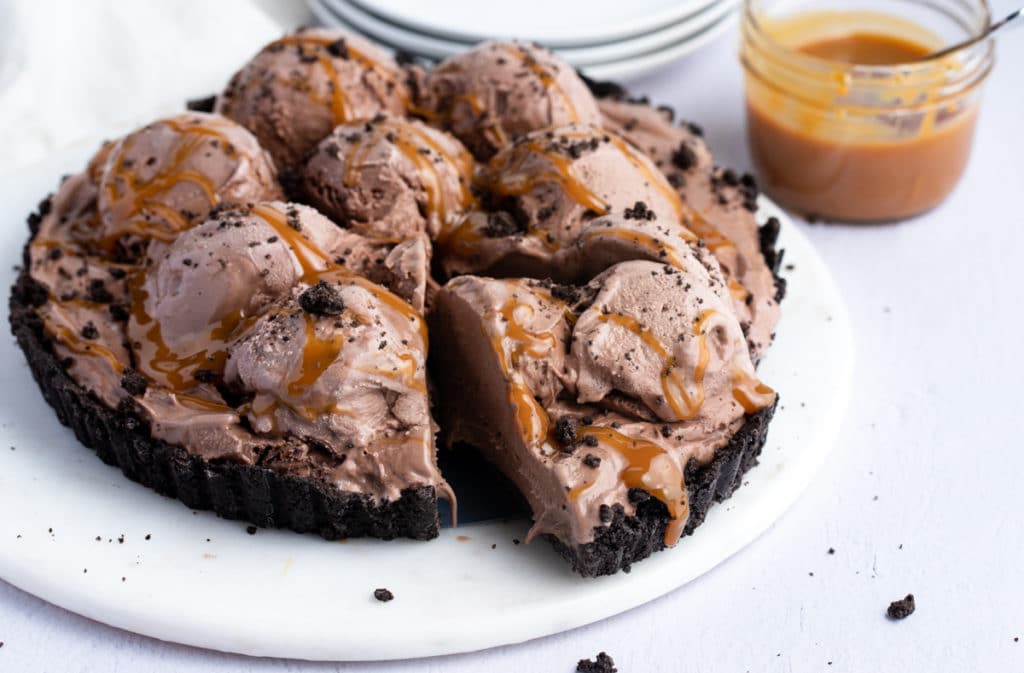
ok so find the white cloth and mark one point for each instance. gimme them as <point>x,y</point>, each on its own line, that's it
<point>75,70</point>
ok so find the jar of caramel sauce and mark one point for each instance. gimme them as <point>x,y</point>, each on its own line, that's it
<point>846,117</point>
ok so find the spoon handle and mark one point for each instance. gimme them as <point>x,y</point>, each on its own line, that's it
<point>1011,18</point>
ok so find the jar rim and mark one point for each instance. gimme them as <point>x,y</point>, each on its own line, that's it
<point>976,49</point>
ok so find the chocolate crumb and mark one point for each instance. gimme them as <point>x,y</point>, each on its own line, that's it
<point>639,211</point>
<point>89,331</point>
<point>119,312</point>
<point>338,48</point>
<point>591,461</point>
<point>134,383</point>
<point>98,292</point>
<point>902,609</point>
<point>570,294</point>
<point>590,440</point>
<point>602,663</point>
<point>831,550</point>
<point>501,224</point>
<point>684,158</point>
<point>565,432</point>
<point>251,530</point>
<point>321,299</point>
<point>205,104</point>
<point>383,595</point>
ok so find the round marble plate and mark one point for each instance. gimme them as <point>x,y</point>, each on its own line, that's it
<point>77,533</point>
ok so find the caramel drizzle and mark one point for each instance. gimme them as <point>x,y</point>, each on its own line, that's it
<point>410,141</point>
<point>76,344</point>
<point>752,394</point>
<point>341,107</point>
<point>546,77</point>
<point>159,362</point>
<point>316,265</point>
<point>131,201</point>
<point>673,389</point>
<point>532,420</point>
<point>642,457</point>
<point>511,177</point>
<point>748,391</point>
<point>318,354</point>
<point>645,241</point>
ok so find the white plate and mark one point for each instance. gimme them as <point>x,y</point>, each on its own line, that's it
<point>643,63</point>
<point>563,23</point>
<point>348,13</point>
<point>203,581</point>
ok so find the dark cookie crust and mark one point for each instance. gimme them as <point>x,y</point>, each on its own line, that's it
<point>251,493</point>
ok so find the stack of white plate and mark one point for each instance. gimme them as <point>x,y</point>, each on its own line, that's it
<point>606,39</point>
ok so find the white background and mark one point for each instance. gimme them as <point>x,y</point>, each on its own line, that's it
<point>922,492</point>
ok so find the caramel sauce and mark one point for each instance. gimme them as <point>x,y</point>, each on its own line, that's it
<point>176,371</point>
<point>683,404</point>
<point>546,77</point>
<point>750,392</point>
<point>410,141</point>
<point>830,142</point>
<point>861,48</point>
<point>318,354</point>
<point>531,419</point>
<point>643,458</point>
<point>341,108</point>
<point>76,344</point>
<point>132,202</point>
<point>510,176</point>
<point>645,241</point>
<point>159,362</point>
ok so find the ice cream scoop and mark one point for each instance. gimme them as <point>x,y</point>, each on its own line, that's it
<point>497,92</point>
<point>166,177</point>
<point>539,193</point>
<point>214,280</point>
<point>390,177</point>
<point>337,363</point>
<point>298,88</point>
<point>724,205</point>
<point>669,340</point>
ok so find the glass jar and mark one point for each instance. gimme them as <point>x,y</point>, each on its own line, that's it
<point>858,142</point>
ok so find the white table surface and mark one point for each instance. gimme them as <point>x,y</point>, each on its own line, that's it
<point>922,492</point>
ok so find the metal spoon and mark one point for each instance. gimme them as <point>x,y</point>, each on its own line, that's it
<point>974,40</point>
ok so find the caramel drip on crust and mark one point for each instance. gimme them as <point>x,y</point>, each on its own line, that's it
<point>547,78</point>
<point>419,149</point>
<point>341,107</point>
<point>750,392</point>
<point>648,467</point>
<point>532,420</point>
<point>133,203</point>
